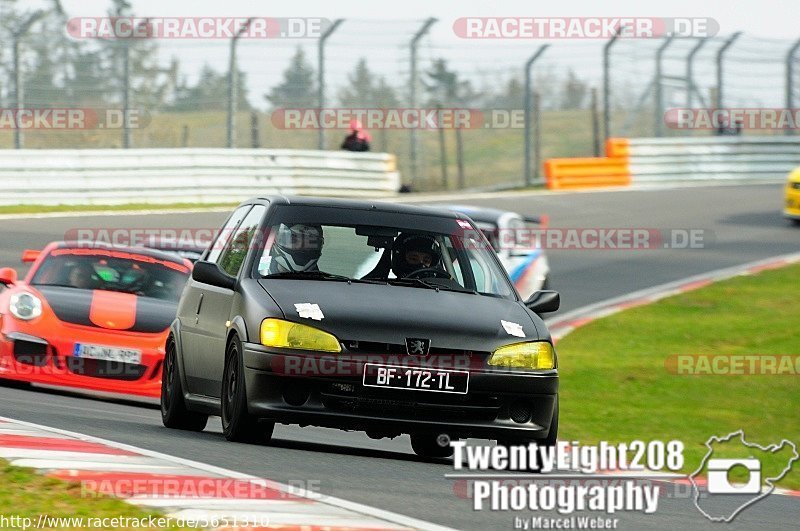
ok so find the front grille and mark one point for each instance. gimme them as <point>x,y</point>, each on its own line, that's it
<point>112,370</point>
<point>796,186</point>
<point>30,352</point>
<point>395,350</point>
<point>411,404</point>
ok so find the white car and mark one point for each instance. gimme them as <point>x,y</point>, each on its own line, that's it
<point>515,243</point>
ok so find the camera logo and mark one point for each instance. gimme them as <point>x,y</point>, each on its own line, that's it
<point>736,482</point>
<point>719,481</point>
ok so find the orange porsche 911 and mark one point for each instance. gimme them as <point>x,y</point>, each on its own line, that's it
<point>90,316</point>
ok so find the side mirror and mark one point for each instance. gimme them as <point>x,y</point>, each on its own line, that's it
<point>544,302</point>
<point>30,255</point>
<point>210,273</point>
<point>8,276</point>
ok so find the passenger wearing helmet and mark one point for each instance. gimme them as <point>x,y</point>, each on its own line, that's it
<point>413,252</point>
<point>297,248</point>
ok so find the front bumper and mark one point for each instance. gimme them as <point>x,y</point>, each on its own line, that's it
<point>317,390</point>
<point>28,355</point>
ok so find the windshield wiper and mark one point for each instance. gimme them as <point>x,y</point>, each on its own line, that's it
<point>426,284</point>
<point>319,275</point>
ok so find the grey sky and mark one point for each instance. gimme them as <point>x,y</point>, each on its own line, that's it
<point>380,31</point>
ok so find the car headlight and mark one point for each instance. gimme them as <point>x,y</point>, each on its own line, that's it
<point>537,355</point>
<point>25,306</point>
<point>286,334</point>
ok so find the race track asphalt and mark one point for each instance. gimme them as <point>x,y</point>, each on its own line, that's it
<point>741,224</point>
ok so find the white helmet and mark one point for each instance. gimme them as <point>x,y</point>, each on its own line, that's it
<point>298,247</point>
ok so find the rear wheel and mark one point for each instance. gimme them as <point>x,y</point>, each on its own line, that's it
<point>174,413</point>
<point>426,444</point>
<point>237,424</point>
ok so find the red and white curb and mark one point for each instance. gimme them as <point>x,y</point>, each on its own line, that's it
<point>566,323</point>
<point>186,489</point>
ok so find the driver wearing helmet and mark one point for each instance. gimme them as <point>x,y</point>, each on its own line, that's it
<point>413,252</point>
<point>297,248</point>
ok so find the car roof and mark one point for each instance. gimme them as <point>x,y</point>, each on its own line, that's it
<point>143,251</point>
<point>356,204</point>
<point>479,214</point>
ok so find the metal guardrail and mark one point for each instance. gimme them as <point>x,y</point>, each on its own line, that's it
<point>713,158</point>
<point>106,176</point>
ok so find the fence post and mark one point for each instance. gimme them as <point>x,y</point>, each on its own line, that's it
<point>690,86</point>
<point>537,134</point>
<point>595,124</point>
<point>720,74</point>
<point>412,92</point>
<point>790,73</point>
<point>233,85</point>
<point>607,84</point>
<point>658,111</point>
<point>19,99</point>
<point>528,94</point>
<point>321,76</point>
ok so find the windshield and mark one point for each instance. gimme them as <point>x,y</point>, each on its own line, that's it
<point>457,259</point>
<point>92,269</point>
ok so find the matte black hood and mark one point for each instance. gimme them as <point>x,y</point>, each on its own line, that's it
<point>390,314</point>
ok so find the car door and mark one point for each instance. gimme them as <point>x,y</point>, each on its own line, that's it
<point>194,335</point>
<point>215,310</point>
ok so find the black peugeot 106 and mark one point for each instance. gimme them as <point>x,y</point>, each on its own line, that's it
<point>358,315</point>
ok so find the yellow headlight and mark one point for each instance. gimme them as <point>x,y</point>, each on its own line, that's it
<point>285,334</point>
<point>534,355</point>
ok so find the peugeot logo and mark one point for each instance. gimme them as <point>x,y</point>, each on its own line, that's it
<point>417,346</point>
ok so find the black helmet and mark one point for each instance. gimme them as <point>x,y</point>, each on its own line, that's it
<point>407,242</point>
<point>298,247</point>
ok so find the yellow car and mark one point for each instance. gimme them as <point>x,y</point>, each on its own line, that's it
<point>792,210</point>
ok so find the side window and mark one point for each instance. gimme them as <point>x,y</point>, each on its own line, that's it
<point>231,259</point>
<point>225,233</point>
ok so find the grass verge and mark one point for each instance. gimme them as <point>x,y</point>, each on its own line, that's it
<point>26,494</point>
<point>616,386</point>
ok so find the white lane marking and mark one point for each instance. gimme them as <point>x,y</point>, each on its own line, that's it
<point>330,500</point>
<point>77,464</point>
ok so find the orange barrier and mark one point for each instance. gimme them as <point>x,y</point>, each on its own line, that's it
<point>591,172</point>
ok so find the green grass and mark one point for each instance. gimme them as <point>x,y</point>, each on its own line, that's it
<point>40,209</point>
<point>615,385</point>
<point>27,494</point>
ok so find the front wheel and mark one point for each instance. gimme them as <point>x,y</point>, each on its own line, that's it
<point>174,413</point>
<point>237,424</point>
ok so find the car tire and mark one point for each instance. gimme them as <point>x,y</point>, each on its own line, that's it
<point>174,413</point>
<point>426,444</point>
<point>237,424</point>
